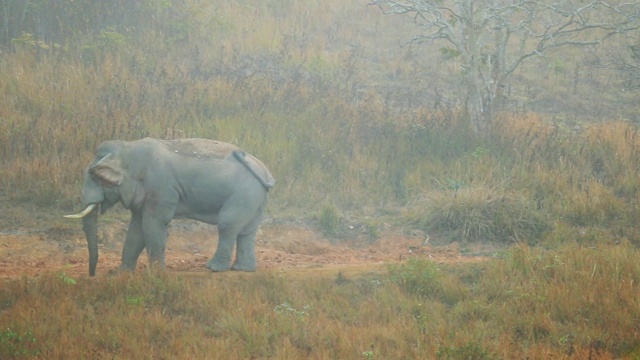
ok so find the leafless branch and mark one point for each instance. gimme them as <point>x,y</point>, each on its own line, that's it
<point>494,37</point>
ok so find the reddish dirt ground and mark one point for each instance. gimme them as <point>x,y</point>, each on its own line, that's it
<point>280,247</point>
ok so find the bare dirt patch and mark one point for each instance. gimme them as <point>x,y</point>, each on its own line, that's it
<point>280,247</point>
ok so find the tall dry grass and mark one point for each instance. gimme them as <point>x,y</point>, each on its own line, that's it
<point>314,110</point>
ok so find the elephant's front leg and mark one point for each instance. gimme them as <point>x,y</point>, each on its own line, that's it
<point>155,234</point>
<point>133,244</point>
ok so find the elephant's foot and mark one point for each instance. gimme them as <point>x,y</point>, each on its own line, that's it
<point>119,270</point>
<point>126,268</point>
<point>238,266</point>
<point>217,266</point>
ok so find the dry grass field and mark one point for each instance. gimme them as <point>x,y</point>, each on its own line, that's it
<point>393,232</point>
<point>395,298</point>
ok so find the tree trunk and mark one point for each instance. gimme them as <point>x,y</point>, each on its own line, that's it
<point>477,109</point>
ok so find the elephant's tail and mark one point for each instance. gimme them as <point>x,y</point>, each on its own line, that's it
<point>266,180</point>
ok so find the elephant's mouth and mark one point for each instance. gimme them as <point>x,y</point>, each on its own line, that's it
<point>83,213</point>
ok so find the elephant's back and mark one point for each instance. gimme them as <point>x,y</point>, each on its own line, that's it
<point>198,148</point>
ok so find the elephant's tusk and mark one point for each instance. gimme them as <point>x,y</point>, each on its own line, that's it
<point>81,214</point>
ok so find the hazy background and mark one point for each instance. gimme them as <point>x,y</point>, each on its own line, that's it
<point>351,123</point>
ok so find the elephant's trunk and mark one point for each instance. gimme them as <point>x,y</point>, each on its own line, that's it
<point>90,227</point>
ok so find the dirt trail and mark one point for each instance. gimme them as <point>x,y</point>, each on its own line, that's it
<point>279,247</point>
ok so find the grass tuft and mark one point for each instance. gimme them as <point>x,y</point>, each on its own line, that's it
<point>479,213</point>
<point>330,222</point>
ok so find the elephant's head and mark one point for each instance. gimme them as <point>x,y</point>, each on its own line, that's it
<point>106,182</point>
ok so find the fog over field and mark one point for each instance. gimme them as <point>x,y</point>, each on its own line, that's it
<point>453,179</point>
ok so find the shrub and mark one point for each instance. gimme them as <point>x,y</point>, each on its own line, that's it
<point>329,221</point>
<point>479,213</point>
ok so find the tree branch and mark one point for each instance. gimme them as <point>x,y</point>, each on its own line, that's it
<point>483,34</point>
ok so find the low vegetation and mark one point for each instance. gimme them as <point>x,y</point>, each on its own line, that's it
<point>350,136</point>
<point>574,302</point>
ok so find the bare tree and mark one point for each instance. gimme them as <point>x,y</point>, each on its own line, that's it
<point>628,63</point>
<point>494,37</point>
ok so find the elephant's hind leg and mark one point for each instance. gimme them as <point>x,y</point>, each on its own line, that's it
<point>245,253</point>
<point>227,234</point>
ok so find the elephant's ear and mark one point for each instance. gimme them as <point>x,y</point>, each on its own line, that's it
<point>107,172</point>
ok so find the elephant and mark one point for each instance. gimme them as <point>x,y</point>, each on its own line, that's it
<point>160,180</point>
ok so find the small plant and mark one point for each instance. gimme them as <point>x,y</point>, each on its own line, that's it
<point>449,53</point>
<point>455,184</point>
<point>330,222</point>
<point>14,344</point>
<point>28,41</point>
<point>66,278</point>
<point>368,354</point>
<point>287,310</point>
<point>134,300</point>
<point>417,276</point>
<point>112,39</point>
<point>371,230</point>
<point>480,152</point>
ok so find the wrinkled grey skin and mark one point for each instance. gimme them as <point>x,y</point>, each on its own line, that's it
<point>160,180</point>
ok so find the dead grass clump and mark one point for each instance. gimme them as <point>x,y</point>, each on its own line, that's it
<point>479,213</point>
